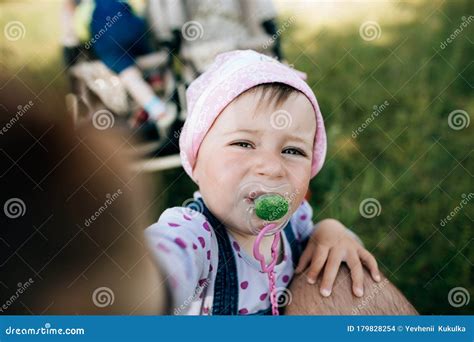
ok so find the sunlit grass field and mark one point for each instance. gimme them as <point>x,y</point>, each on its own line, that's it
<point>408,158</point>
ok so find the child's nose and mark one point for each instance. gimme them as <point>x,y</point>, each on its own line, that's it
<point>270,165</point>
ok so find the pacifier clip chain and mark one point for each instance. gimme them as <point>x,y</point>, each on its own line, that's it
<point>269,269</point>
<point>270,207</point>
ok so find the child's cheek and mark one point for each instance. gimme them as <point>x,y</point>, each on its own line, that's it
<point>233,162</point>
<point>300,184</point>
<point>223,174</point>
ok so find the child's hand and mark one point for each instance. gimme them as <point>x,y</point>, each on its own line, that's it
<point>332,244</point>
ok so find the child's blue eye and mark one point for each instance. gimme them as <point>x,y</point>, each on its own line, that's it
<point>294,151</point>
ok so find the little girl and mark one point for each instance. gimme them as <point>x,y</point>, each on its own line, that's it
<point>253,127</point>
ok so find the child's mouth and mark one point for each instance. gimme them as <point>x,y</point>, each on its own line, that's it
<point>250,198</point>
<point>261,203</point>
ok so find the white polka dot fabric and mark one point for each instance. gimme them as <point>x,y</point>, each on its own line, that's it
<point>184,244</point>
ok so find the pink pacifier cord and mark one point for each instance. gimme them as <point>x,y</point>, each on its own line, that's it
<point>269,269</point>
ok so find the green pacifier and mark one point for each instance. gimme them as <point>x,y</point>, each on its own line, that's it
<point>271,207</point>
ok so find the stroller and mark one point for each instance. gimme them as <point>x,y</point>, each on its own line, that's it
<point>98,91</point>
<point>208,28</point>
<point>99,96</point>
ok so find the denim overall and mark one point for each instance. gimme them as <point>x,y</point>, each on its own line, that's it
<point>226,293</point>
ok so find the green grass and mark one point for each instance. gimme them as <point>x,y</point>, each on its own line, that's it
<point>408,158</point>
<point>32,54</point>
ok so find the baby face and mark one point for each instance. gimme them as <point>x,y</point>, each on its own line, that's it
<point>256,146</point>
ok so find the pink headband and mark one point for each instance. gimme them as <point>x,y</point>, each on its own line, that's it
<point>231,74</point>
